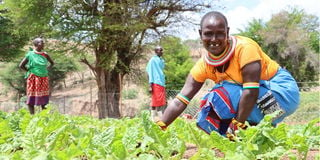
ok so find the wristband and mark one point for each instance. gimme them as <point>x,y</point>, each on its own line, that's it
<point>249,85</point>
<point>230,136</point>
<point>162,125</point>
<point>238,124</point>
<point>183,99</point>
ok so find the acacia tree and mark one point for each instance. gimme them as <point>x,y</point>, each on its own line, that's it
<point>114,30</point>
<point>10,42</point>
<point>291,38</point>
<point>178,62</point>
<point>253,30</point>
<point>288,39</point>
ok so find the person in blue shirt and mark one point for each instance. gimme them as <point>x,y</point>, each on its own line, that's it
<point>156,79</point>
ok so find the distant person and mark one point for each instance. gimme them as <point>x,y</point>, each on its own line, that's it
<point>156,78</point>
<point>36,64</point>
<point>249,83</point>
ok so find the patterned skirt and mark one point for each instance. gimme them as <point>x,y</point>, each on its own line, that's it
<point>37,90</point>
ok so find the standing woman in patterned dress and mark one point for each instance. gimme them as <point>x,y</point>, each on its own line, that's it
<point>36,64</point>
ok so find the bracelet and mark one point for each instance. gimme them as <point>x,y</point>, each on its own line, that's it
<point>183,99</point>
<point>238,124</point>
<point>249,85</point>
<point>162,125</point>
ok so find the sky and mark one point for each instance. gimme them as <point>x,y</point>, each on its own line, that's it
<point>240,12</point>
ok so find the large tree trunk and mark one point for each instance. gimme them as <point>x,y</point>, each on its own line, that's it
<point>109,89</point>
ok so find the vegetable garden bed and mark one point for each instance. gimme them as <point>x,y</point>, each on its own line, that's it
<point>51,135</point>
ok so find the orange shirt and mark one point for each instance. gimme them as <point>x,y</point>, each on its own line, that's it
<point>246,51</point>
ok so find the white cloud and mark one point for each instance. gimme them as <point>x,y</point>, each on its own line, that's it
<point>240,16</point>
<point>192,30</point>
<point>240,13</point>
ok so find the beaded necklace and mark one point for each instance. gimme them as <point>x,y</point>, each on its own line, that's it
<point>224,57</point>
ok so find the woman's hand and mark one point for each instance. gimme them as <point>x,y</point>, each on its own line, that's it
<point>233,127</point>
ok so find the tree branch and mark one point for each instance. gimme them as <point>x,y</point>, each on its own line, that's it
<point>85,61</point>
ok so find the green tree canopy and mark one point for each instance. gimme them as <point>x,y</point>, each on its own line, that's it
<point>11,41</point>
<point>253,30</point>
<point>290,39</point>
<point>178,62</point>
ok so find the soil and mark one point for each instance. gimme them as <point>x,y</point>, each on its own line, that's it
<point>81,99</point>
<point>192,149</point>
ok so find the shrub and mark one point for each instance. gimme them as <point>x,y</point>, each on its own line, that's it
<point>130,94</point>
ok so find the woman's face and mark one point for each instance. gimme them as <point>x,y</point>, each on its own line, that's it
<point>39,44</point>
<point>214,35</point>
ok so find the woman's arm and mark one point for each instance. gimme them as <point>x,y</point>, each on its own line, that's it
<point>176,107</point>
<point>50,61</point>
<point>23,63</point>
<point>250,73</point>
